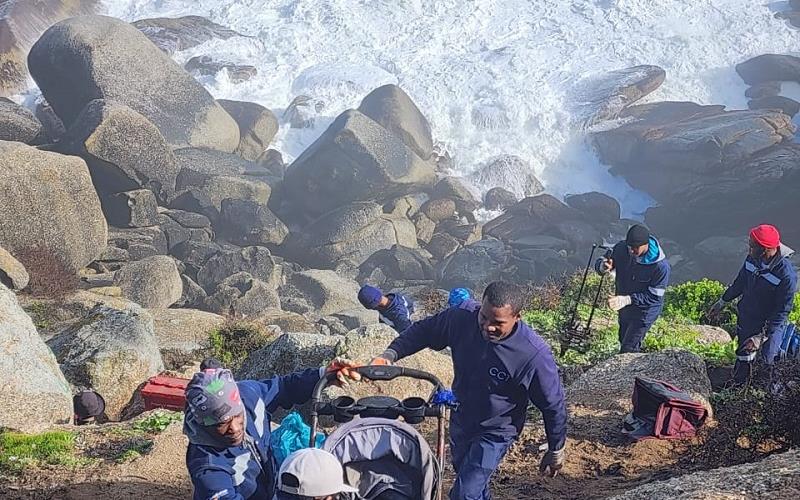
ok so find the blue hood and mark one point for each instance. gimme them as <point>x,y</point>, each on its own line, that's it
<point>654,253</point>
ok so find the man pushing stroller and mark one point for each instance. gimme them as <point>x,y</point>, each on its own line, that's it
<point>499,364</point>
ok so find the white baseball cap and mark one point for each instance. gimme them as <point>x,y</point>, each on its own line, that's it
<point>312,472</point>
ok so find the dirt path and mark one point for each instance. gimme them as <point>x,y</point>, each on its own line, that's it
<point>601,462</point>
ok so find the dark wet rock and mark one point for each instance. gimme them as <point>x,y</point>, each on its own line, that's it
<point>207,66</point>
<point>257,128</point>
<point>770,68</point>
<point>604,96</point>
<point>499,198</point>
<point>595,206</point>
<point>779,102</point>
<point>176,34</point>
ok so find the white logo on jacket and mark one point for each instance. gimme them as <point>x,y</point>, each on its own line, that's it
<point>499,374</point>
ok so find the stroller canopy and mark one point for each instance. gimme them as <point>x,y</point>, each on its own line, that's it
<point>385,459</point>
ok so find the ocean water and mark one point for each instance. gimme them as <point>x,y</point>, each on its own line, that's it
<point>492,76</point>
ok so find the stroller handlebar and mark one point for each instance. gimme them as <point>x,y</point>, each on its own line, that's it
<point>376,372</point>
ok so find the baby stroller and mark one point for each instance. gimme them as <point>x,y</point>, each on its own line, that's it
<point>384,458</point>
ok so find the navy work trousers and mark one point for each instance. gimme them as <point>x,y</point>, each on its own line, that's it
<point>475,460</point>
<point>632,329</point>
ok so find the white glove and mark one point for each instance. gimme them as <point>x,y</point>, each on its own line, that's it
<point>617,302</point>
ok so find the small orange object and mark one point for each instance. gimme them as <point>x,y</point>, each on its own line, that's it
<point>165,392</point>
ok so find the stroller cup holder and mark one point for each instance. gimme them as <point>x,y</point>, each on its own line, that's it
<point>413,410</point>
<point>342,409</point>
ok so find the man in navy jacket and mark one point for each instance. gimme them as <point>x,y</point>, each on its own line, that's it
<point>766,284</point>
<point>394,309</point>
<point>642,276</point>
<point>228,426</point>
<point>500,364</point>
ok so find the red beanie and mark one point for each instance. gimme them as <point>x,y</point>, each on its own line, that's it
<point>767,236</point>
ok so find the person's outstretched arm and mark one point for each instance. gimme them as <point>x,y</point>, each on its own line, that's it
<point>737,288</point>
<point>431,332</point>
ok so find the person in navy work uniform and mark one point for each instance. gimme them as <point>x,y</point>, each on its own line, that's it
<point>642,276</point>
<point>766,284</point>
<point>500,364</point>
<point>393,309</point>
<point>228,426</point>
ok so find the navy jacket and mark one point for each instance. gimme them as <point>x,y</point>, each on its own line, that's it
<point>398,313</point>
<point>493,381</point>
<point>644,279</point>
<point>767,292</point>
<point>249,470</point>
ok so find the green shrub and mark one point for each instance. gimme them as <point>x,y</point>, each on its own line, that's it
<point>232,342</point>
<point>20,451</point>
<point>157,421</point>
<point>691,300</point>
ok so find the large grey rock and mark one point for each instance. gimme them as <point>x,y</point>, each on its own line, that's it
<point>183,334</point>
<point>52,126</point>
<point>245,222</point>
<point>351,233</point>
<point>287,321</point>
<point>34,395</point>
<point>112,351</point>
<point>12,273</point>
<point>530,216</point>
<point>424,226</point>
<point>508,172</point>
<point>194,254</point>
<point>779,102</point>
<point>777,476</point>
<point>732,201</point>
<point>397,113</point>
<point>398,263</point>
<point>140,242</point>
<point>17,123</point>
<point>663,156</point>
<point>597,207</point>
<point>770,68</point>
<point>200,165</point>
<point>289,353</point>
<point>608,385</point>
<point>355,159</point>
<point>325,291</point>
<point>475,266</point>
<point>439,209</point>
<point>48,202</point>
<point>193,296</point>
<point>455,189</point>
<point>257,127</point>
<point>137,208</point>
<point>98,57</point>
<point>708,334</point>
<point>603,97</point>
<point>177,34</point>
<point>153,283</point>
<point>242,295</point>
<point>442,245</point>
<point>21,23</point>
<point>124,150</point>
<point>499,198</point>
<point>256,261</point>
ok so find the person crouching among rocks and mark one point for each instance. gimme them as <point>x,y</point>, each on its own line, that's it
<point>642,276</point>
<point>393,309</point>
<point>228,426</point>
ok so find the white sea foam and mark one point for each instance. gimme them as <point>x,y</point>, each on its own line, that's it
<point>492,76</point>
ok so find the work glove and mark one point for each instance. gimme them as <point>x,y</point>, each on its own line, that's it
<point>344,371</point>
<point>551,463</point>
<point>753,343</point>
<point>617,302</point>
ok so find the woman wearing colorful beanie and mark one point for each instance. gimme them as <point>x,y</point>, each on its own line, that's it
<point>766,284</point>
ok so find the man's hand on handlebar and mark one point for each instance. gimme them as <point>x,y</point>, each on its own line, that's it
<point>344,371</point>
<point>380,361</point>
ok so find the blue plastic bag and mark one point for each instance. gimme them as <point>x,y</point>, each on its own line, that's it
<point>292,435</point>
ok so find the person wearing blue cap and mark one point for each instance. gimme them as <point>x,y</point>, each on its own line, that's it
<point>394,309</point>
<point>457,296</point>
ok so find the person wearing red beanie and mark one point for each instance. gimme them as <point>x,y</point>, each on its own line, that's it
<point>766,284</point>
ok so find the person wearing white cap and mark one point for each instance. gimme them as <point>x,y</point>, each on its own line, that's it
<point>312,474</point>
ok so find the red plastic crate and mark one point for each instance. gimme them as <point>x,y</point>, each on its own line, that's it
<point>165,392</point>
